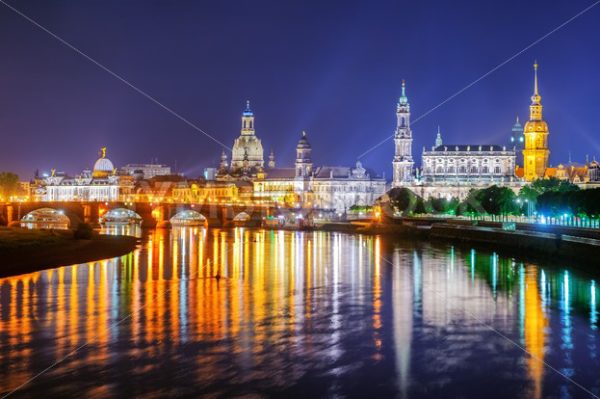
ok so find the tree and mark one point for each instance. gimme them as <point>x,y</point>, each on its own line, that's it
<point>9,184</point>
<point>538,187</point>
<point>442,205</point>
<point>497,200</point>
<point>576,202</point>
<point>403,200</point>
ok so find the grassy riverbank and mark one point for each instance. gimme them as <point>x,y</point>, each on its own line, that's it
<point>23,251</point>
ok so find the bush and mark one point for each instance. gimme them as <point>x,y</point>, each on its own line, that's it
<point>84,231</point>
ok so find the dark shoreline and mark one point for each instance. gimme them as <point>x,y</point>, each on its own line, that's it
<point>19,261</point>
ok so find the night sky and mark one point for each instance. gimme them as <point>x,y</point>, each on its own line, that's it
<point>332,68</point>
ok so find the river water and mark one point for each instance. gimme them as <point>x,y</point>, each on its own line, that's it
<point>300,314</point>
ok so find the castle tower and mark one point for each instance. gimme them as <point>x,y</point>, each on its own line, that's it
<point>403,161</point>
<point>303,157</point>
<point>536,152</point>
<point>247,143</point>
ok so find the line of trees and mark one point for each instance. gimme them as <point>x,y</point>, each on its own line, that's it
<point>548,196</point>
<point>578,202</point>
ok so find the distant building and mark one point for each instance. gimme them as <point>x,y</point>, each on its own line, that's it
<point>200,192</point>
<point>517,140</point>
<point>594,171</point>
<point>450,170</point>
<point>100,184</point>
<point>146,170</point>
<point>326,187</point>
<point>474,163</point>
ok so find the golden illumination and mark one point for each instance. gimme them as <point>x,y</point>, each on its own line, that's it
<point>536,152</point>
<point>535,324</point>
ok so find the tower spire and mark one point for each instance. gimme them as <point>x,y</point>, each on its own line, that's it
<point>403,98</point>
<point>438,138</point>
<point>535,99</point>
<point>403,164</point>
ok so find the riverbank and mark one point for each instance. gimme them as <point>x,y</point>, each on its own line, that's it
<point>550,243</point>
<point>25,251</point>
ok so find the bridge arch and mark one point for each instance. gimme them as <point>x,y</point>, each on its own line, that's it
<point>120,216</point>
<point>188,217</point>
<point>46,218</point>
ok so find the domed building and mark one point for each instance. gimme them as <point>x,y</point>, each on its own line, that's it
<point>100,184</point>
<point>103,166</point>
<point>247,152</point>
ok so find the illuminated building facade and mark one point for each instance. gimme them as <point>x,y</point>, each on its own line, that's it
<point>403,161</point>
<point>326,187</point>
<point>211,192</point>
<point>468,163</point>
<point>452,171</point>
<point>100,184</point>
<point>536,152</point>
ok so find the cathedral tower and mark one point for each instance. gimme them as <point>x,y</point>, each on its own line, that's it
<point>403,161</point>
<point>536,152</point>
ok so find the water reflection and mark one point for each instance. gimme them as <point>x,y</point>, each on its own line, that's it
<point>298,314</point>
<point>122,229</point>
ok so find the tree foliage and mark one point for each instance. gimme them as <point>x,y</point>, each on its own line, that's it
<point>403,200</point>
<point>493,200</point>
<point>538,187</point>
<point>577,202</point>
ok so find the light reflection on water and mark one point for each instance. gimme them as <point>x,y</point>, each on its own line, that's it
<point>299,314</point>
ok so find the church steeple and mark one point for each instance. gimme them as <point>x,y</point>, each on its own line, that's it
<point>438,138</point>
<point>248,121</point>
<point>536,151</point>
<point>403,161</point>
<point>403,99</point>
<point>535,109</point>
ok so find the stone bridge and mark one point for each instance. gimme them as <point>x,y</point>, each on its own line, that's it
<point>153,215</point>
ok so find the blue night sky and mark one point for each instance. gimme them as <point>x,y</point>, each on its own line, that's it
<point>333,68</point>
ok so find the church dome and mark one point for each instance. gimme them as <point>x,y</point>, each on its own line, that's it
<point>103,166</point>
